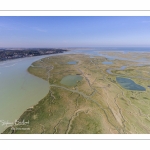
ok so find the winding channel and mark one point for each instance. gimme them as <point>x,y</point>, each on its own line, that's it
<point>19,88</point>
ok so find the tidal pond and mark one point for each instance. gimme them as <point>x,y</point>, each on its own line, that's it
<point>129,84</point>
<point>107,62</point>
<point>72,62</point>
<point>71,80</point>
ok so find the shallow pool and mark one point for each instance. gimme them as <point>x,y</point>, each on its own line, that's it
<point>129,84</point>
<point>72,62</point>
<point>71,80</point>
<point>107,62</point>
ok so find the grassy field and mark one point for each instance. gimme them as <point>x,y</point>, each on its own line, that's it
<point>95,105</point>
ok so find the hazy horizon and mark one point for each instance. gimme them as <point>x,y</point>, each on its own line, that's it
<point>74,31</point>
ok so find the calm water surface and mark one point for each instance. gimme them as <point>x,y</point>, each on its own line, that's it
<point>107,63</point>
<point>71,80</point>
<point>72,62</point>
<point>19,90</point>
<point>129,84</point>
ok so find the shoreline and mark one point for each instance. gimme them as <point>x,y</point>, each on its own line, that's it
<point>29,108</point>
<point>21,117</point>
<point>46,111</point>
<point>16,54</point>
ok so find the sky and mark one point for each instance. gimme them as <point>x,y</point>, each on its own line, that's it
<point>74,31</point>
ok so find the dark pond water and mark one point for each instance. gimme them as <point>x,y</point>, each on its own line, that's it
<point>129,84</point>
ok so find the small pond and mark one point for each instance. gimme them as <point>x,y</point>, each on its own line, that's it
<point>72,62</point>
<point>129,84</point>
<point>71,80</point>
<point>107,62</point>
<point>111,58</point>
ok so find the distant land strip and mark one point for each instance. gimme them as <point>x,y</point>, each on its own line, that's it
<point>6,54</point>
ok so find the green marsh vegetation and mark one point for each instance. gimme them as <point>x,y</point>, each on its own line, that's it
<point>97,104</point>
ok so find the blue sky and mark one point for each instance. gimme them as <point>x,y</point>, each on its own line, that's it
<point>74,31</point>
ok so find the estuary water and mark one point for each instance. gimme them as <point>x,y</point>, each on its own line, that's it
<point>19,90</point>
